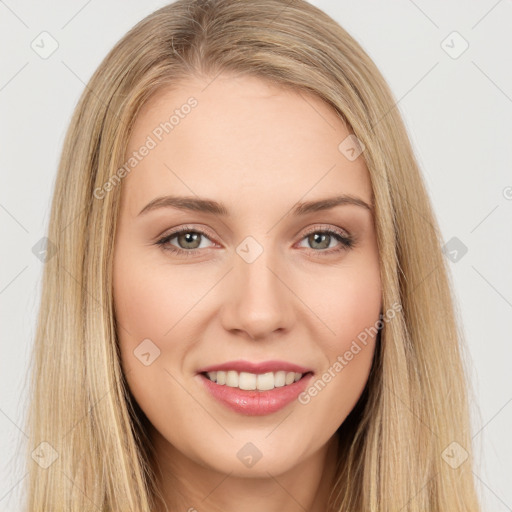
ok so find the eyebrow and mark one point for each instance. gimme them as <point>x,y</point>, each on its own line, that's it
<point>197,204</point>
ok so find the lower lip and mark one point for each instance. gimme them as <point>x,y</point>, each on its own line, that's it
<point>256,403</point>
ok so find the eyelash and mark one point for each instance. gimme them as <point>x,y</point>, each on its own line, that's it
<point>346,242</point>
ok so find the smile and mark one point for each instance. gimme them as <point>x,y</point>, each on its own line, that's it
<point>255,389</point>
<point>252,381</point>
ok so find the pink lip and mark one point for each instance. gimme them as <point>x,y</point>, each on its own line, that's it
<point>263,367</point>
<point>256,403</point>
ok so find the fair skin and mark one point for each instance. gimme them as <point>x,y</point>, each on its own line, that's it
<point>258,150</point>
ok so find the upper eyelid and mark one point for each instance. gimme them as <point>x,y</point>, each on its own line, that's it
<point>205,232</point>
<point>315,229</point>
<point>188,229</point>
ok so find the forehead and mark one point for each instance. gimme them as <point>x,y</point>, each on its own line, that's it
<point>240,140</point>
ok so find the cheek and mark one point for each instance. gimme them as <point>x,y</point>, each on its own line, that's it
<point>158,310</point>
<point>145,311</point>
<point>154,302</point>
<point>354,309</point>
<point>149,300</point>
<point>350,304</point>
<point>350,308</point>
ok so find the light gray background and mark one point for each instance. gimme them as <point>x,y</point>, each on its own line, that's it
<point>459,115</point>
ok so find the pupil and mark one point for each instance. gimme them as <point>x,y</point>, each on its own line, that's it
<point>189,238</point>
<point>315,237</point>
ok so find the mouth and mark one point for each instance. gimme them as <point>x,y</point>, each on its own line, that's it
<point>255,389</point>
<point>247,381</point>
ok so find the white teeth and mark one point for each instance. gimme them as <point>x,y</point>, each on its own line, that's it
<point>265,381</point>
<point>232,379</point>
<point>251,381</point>
<point>279,379</point>
<point>247,381</point>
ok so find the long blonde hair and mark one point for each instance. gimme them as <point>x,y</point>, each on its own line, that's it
<point>413,417</point>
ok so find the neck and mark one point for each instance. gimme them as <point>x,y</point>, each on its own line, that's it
<point>187,485</point>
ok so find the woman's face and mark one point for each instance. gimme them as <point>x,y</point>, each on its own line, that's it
<point>261,283</point>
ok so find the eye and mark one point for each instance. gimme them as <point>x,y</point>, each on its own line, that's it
<point>189,241</point>
<point>320,239</point>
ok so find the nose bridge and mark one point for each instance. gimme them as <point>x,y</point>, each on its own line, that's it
<point>259,301</point>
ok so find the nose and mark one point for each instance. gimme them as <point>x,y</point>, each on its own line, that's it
<point>258,301</point>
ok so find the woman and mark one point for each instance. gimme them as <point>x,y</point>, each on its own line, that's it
<point>249,307</point>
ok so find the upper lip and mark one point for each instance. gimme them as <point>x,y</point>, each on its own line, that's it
<point>250,367</point>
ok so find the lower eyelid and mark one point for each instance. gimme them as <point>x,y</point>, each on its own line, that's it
<point>167,239</point>
<point>345,241</point>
